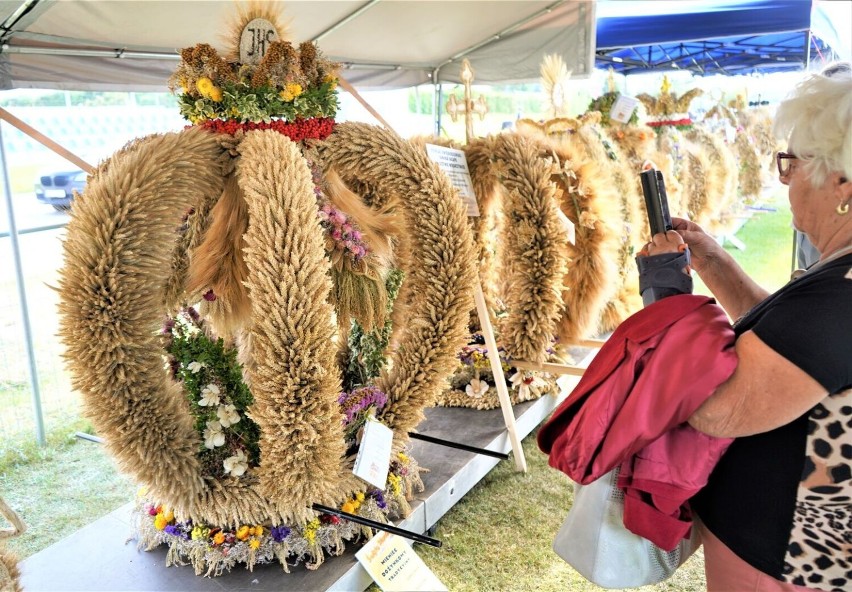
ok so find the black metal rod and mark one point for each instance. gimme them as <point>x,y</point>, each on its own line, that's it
<point>420,538</point>
<point>449,444</point>
<point>89,437</point>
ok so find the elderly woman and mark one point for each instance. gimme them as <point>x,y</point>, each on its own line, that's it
<point>777,511</point>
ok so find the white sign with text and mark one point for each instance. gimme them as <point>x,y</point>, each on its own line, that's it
<point>394,566</point>
<point>623,108</point>
<point>373,460</point>
<point>454,164</point>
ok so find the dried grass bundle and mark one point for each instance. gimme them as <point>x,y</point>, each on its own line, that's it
<point>295,381</point>
<point>120,239</point>
<point>9,574</point>
<point>534,240</point>
<point>442,270</point>
<point>750,178</point>
<point>217,264</point>
<point>721,180</point>
<point>588,197</point>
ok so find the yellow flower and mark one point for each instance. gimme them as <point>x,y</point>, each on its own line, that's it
<point>290,91</point>
<point>169,515</point>
<point>204,86</point>
<point>160,522</point>
<point>199,533</point>
<point>402,458</point>
<point>396,483</point>
<point>254,543</point>
<point>219,538</point>
<point>359,496</point>
<point>331,79</point>
<point>311,530</point>
<point>349,507</point>
<point>258,530</point>
<point>243,533</point>
<point>216,94</point>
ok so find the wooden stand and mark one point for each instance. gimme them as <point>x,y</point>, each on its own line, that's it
<point>499,378</point>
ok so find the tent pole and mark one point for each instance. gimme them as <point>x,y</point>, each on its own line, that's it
<point>437,102</point>
<point>807,50</point>
<point>22,297</point>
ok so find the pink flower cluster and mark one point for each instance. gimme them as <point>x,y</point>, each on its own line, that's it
<point>341,230</point>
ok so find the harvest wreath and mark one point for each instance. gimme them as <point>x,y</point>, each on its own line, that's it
<point>253,419</point>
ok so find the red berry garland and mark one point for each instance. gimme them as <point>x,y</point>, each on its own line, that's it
<point>317,128</point>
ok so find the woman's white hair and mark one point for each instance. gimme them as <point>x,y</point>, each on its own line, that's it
<point>816,121</point>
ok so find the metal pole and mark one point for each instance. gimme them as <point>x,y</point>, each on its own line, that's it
<point>458,445</point>
<point>420,538</point>
<point>22,296</point>
<point>437,102</point>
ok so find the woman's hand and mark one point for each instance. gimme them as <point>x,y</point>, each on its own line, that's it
<point>664,243</point>
<point>703,248</point>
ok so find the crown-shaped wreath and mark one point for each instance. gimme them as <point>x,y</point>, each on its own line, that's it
<point>669,109</point>
<point>274,293</point>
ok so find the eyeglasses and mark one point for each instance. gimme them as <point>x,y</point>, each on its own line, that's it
<point>782,159</point>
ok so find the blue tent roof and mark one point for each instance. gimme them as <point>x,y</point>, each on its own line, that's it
<point>716,37</point>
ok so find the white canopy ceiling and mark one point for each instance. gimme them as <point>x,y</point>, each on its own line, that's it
<point>133,44</point>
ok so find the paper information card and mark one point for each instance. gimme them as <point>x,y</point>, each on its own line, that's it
<point>623,108</point>
<point>394,566</point>
<point>373,460</point>
<point>454,164</point>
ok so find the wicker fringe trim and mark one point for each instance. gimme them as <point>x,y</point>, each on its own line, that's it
<point>120,240</point>
<point>443,271</point>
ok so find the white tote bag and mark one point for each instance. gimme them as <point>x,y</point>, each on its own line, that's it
<point>594,541</point>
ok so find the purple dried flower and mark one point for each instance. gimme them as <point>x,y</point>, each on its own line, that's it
<point>168,325</point>
<point>209,296</point>
<point>193,314</point>
<point>172,530</point>
<point>379,496</point>
<point>279,533</point>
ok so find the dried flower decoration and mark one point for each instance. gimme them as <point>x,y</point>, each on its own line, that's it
<point>210,88</point>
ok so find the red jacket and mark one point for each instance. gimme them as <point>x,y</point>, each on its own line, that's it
<point>630,408</point>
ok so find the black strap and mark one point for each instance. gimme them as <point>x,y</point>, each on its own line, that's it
<point>663,275</point>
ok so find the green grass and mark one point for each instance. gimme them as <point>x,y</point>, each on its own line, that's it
<point>499,536</point>
<point>768,237</point>
<point>59,488</point>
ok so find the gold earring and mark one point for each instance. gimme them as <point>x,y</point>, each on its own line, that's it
<point>843,209</point>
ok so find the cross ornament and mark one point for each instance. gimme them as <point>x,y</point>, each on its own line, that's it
<point>468,107</point>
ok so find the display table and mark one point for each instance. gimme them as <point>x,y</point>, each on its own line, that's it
<point>99,557</point>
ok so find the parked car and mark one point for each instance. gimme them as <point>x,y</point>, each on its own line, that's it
<point>57,187</point>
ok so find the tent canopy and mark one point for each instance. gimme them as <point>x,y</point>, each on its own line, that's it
<point>720,36</point>
<point>117,45</point>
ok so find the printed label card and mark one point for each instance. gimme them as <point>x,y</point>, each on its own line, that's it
<point>454,164</point>
<point>394,565</point>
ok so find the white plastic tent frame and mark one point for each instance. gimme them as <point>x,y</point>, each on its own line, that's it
<point>114,45</point>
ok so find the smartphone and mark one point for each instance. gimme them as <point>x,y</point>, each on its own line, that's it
<point>656,203</point>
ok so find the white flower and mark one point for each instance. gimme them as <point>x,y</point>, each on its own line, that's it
<point>228,415</point>
<point>194,367</point>
<point>209,396</point>
<point>236,465</point>
<point>476,389</point>
<point>524,382</point>
<point>213,435</point>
